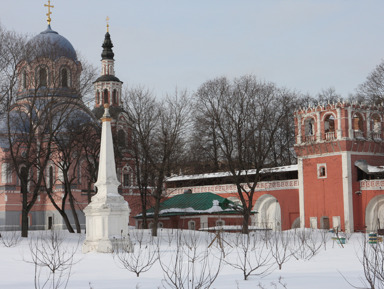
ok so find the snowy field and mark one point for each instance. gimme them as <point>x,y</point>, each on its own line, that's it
<point>310,259</point>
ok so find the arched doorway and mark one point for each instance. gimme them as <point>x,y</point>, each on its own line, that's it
<point>374,214</point>
<point>268,213</point>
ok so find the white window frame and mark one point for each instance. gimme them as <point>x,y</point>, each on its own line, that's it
<point>220,223</point>
<point>336,222</point>
<point>191,225</point>
<point>319,167</point>
<point>313,222</point>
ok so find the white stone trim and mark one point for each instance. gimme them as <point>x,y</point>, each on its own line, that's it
<point>231,188</point>
<point>347,191</point>
<point>340,153</point>
<point>339,131</point>
<point>318,132</point>
<point>372,185</point>
<point>350,130</point>
<point>301,192</point>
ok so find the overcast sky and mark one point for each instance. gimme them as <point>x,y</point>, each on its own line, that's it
<point>305,45</point>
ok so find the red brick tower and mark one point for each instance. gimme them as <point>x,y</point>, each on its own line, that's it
<point>330,141</point>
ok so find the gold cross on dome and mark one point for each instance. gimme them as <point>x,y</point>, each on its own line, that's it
<point>107,19</point>
<point>49,11</point>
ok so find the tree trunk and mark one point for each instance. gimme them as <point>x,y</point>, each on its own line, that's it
<point>24,214</point>
<point>61,211</point>
<point>246,215</point>
<point>74,213</point>
<point>156,214</point>
<point>157,195</point>
<point>71,201</point>
<point>143,195</point>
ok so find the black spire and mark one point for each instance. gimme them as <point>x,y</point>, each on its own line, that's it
<point>107,47</point>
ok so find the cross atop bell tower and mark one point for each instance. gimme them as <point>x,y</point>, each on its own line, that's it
<point>107,19</point>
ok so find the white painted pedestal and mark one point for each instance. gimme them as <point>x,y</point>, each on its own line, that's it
<point>107,215</point>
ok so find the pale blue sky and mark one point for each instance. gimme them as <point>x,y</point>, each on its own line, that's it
<point>305,45</point>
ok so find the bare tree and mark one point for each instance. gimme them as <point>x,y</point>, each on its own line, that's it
<point>191,265</point>
<point>13,49</point>
<point>90,140</point>
<point>10,238</point>
<point>252,256</point>
<point>143,112</point>
<point>305,244</point>
<point>66,154</point>
<point>248,115</point>
<point>30,146</point>
<point>372,260</point>
<point>157,133</point>
<point>53,259</point>
<point>372,89</point>
<point>204,149</point>
<point>137,257</point>
<point>328,95</point>
<point>279,243</point>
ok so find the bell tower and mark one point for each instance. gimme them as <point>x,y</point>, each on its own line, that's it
<point>330,142</point>
<point>108,87</point>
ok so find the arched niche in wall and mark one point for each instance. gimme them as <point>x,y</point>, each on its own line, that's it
<point>268,214</point>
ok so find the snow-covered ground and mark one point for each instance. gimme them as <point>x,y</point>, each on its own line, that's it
<point>327,268</point>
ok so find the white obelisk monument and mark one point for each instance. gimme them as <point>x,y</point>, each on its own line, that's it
<point>107,215</point>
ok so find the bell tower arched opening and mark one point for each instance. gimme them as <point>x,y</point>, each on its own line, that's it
<point>106,100</point>
<point>329,127</point>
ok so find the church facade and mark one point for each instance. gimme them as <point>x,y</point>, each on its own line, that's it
<point>48,108</point>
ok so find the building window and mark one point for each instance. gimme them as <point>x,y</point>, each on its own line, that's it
<point>114,96</point>
<point>79,174</point>
<point>357,124</point>
<point>121,138</point>
<point>60,175</point>
<point>329,123</point>
<point>126,182</point>
<point>50,223</point>
<point>64,77</point>
<point>6,173</point>
<point>321,170</point>
<point>192,225</point>
<point>324,223</point>
<point>98,97</point>
<point>329,127</point>
<point>376,127</point>
<point>50,181</point>
<point>43,77</point>
<point>220,223</point>
<point>106,96</point>
<point>309,126</point>
<point>24,79</point>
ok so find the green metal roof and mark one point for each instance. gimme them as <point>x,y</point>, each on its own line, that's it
<point>192,204</point>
